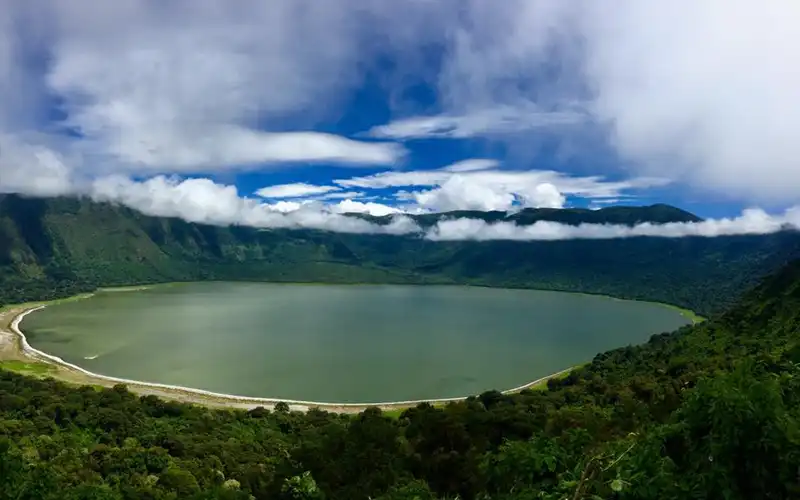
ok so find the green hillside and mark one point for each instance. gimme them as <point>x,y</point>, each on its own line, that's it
<point>629,216</point>
<point>710,411</point>
<point>61,246</point>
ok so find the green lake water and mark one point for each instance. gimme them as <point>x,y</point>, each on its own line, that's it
<point>334,343</point>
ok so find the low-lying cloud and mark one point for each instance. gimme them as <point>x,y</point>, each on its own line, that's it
<point>752,221</point>
<point>204,201</point>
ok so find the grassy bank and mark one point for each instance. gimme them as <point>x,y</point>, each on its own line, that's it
<point>28,305</point>
<point>687,313</point>
<point>31,368</point>
<point>81,296</point>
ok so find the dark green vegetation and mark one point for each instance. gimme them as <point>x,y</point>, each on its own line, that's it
<point>52,248</point>
<point>709,411</point>
<point>656,214</point>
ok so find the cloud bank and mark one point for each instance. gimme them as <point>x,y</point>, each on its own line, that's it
<point>704,93</point>
<point>203,201</point>
<point>752,221</point>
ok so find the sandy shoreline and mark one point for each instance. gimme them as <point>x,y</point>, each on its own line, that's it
<point>22,350</point>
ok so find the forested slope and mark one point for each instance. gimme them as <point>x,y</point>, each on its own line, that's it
<point>61,246</point>
<point>710,411</point>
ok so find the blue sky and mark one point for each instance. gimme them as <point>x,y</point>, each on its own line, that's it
<point>227,113</point>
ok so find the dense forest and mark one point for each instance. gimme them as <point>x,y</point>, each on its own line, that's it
<point>56,247</point>
<point>710,411</point>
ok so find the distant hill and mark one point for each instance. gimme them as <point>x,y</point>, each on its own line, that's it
<point>628,216</point>
<point>59,246</point>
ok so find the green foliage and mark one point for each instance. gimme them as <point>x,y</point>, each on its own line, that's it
<point>26,368</point>
<point>57,247</point>
<point>708,411</point>
<point>302,487</point>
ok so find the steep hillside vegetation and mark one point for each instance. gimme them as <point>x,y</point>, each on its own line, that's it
<point>710,411</point>
<point>57,247</point>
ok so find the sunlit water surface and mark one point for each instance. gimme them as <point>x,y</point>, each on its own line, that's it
<point>340,343</point>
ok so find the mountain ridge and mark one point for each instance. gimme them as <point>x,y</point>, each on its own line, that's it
<point>658,213</point>
<point>51,247</point>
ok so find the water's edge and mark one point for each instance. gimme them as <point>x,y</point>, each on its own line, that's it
<point>42,356</point>
<point>26,350</point>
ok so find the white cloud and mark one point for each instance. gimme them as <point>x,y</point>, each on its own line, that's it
<point>460,192</point>
<point>32,168</point>
<point>544,195</point>
<point>698,92</point>
<point>304,195</point>
<point>150,88</point>
<point>472,165</point>
<point>475,185</point>
<point>372,208</point>
<point>287,206</point>
<point>342,195</point>
<point>396,179</point>
<point>589,186</point>
<point>500,119</point>
<point>752,221</point>
<point>704,93</point>
<point>294,190</point>
<point>201,200</point>
<point>231,147</point>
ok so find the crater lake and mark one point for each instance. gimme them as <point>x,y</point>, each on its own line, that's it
<point>341,344</point>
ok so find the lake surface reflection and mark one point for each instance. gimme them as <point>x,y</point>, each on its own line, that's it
<point>335,343</point>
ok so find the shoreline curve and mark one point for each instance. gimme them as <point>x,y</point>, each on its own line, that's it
<point>33,353</point>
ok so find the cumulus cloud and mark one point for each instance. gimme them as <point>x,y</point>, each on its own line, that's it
<point>285,206</point>
<point>294,190</point>
<point>359,207</point>
<point>461,192</point>
<point>477,184</point>
<point>204,201</point>
<point>544,195</point>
